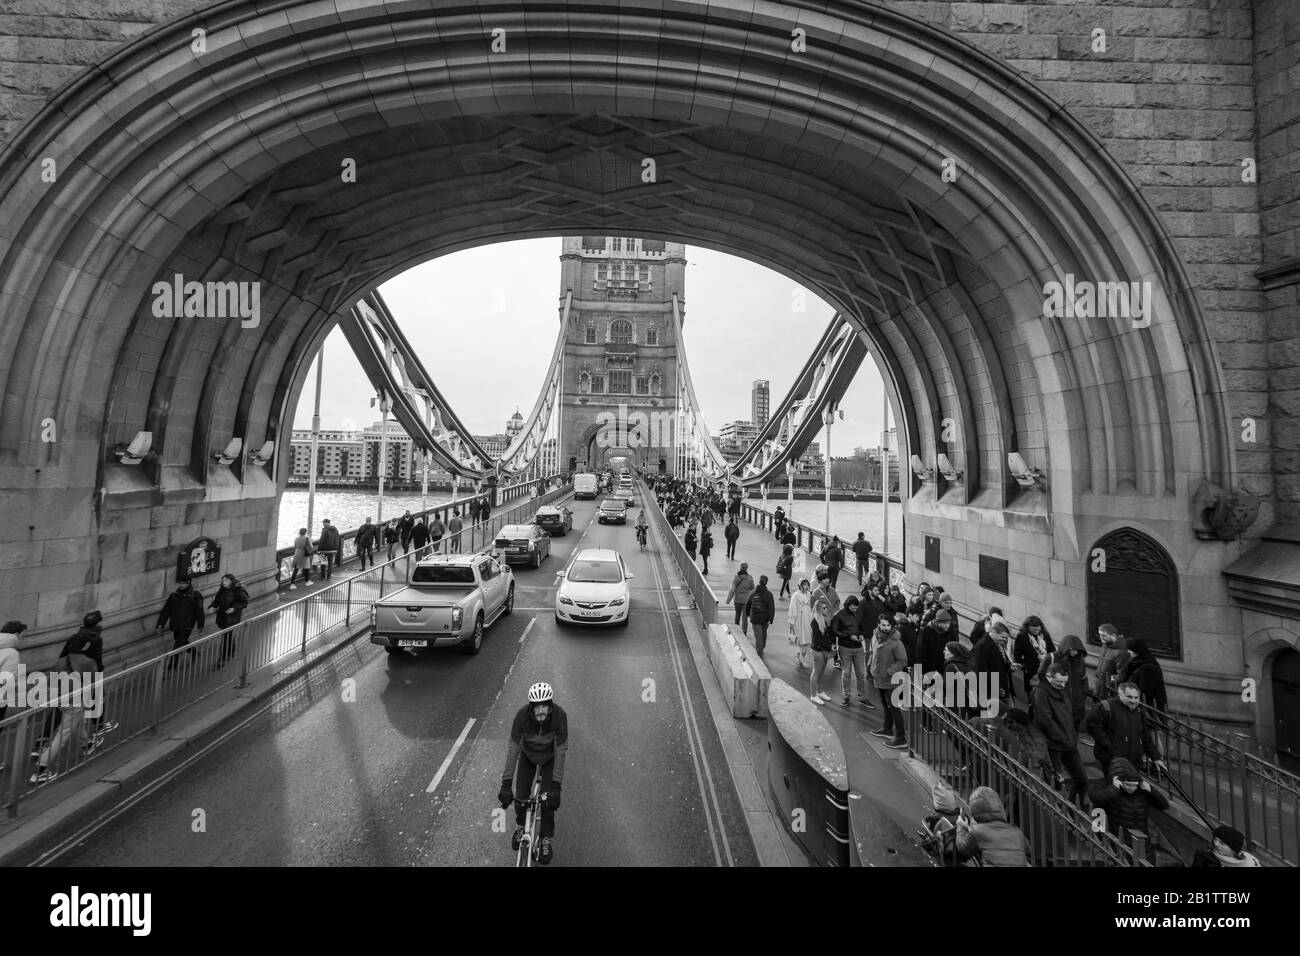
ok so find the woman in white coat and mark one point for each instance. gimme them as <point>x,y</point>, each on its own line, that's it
<point>800,621</point>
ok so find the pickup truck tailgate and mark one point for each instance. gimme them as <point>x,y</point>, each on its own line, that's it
<point>415,619</point>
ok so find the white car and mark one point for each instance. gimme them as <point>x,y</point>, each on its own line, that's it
<point>593,589</point>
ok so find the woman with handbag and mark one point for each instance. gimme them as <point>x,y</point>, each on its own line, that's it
<point>302,553</point>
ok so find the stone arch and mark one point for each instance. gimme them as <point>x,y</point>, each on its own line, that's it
<point>1261,650</point>
<point>817,165</point>
<point>1138,591</point>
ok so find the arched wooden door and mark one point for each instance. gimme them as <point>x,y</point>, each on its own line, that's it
<point>1136,589</point>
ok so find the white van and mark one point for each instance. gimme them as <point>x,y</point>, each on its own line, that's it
<point>584,486</point>
<point>625,489</point>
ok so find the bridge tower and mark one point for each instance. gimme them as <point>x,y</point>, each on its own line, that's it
<point>620,350</point>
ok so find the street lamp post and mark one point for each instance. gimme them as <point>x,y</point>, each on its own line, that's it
<point>383,454</point>
<point>315,441</point>
<point>828,417</point>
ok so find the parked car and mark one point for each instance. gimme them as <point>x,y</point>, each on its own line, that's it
<point>451,599</point>
<point>594,589</point>
<point>523,544</point>
<point>612,509</point>
<point>556,519</point>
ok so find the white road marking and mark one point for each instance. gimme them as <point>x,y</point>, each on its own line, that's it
<point>450,757</point>
<point>531,622</point>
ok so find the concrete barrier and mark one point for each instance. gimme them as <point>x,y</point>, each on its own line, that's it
<point>741,673</point>
<point>808,776</point>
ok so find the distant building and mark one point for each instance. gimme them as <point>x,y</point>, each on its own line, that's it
<point>760,402</point>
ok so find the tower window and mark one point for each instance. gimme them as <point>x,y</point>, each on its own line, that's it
<point>642,385</point>
<point>597,383</point>
<point>652,336</point>
<point>616,244</point>
<point>620,332</point>
<point>591,335</point>
<point>620,382</point>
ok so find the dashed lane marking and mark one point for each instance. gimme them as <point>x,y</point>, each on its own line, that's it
<point>531,622</point>
<point>451,755</point>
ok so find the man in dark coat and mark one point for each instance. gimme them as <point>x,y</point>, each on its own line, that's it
<point>406,525</point>
<point>732,534</point>
<point>1071,655</point>
<point>183,611</point>
<point>420,537</point>
<point>1119,728</point>
<point>1127,799</point>
<point>993,671</point>
<point>1144,671</point>
<point>229,603</point>
<point>833,557</point>
<point>89,640</point>
<point>762,611</point>
<point>862,550</point>
<point>706,546</point>
<point>367,540</point>
<point>330,545</point>
<point>1054,716</point>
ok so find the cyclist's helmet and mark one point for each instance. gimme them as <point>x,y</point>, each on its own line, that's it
<point>540,693</point>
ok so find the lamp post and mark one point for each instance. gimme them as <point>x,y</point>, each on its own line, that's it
<point>383,454</point>
<point>828,417</point>
<point>884,478</point>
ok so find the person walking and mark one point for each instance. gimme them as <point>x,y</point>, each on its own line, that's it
<point>10,658</point>
<point>330,548</point>
<point>454,526</point>
<point>1144,671</point>
<point>420,537</point>
<point>1127,799</point>
<point>799,618</point>
<point>852,652</point>
<point>785,568</point>
<point>762,612</point>
<point>1113,656</point>
<point>732,534</point>
<point>1119,728</point>
<point>862,551</point>
<point>833,557</point>
<point>367,541</point>
<point>1071,655</point>
<point>436,531</point>
<point>1054,716</point>
<point>706,547</point>
<point>72,710</point>
<point>738,595</point>
<point>183,611</point>
<point>405,526</point>
<point>689,541</point>
<point>823,642</point>
<point>887,658</point>
<point>391,537</point>
<point>229,603</point>
<point>1033,645</point>
<point>302,552</point>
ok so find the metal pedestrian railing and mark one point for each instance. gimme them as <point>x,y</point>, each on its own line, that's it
<point>815,539</point>
<point>702,596</point>
<point>1059,833</point>
<point>1232,786</point>
<point>137,700</point>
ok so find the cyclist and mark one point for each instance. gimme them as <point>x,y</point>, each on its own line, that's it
<point>641,526</point>
<point>539,737</point>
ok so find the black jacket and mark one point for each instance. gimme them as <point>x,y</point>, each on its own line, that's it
<point>330,539</point>
<point>1054,717</point>
<point>182,611</point>
<point>541,743</point>
<point>88,641</point>
<point>832,556</point>
<point>1026,655</point>
<point>405,525</point>
<point>844,628</point>
<point>930,648</point>
<point>367,536</point>
<point>689,540</point>
<point>1144,670</point>
<point>1119,732</point>
<point>989,660</point>
<point>1127,810</point>
<point>706,542</point>
<point>732,531</point>
<point>420,534</point>
<point>391,535</point>
<point>762,606</point>
<point>230,604</point>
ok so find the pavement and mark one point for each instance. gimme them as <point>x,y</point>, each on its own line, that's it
<point>395,760</point>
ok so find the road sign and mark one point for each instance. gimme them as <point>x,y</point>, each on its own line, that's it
<point>201,556</point>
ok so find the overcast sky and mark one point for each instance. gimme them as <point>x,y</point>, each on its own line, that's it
<point>484,323</point>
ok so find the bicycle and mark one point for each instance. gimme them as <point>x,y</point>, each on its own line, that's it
<point>530,842</point>
<point>640,537</point>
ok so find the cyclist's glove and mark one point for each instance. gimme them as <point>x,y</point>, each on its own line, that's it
<point>552,797</point>
<point>507,794</point>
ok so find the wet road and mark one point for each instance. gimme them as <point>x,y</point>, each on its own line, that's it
<point>406,771</point>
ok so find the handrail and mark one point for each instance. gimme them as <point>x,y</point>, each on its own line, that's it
<point>139,698</point>
<point>890,567</point>
<point>702,596</point>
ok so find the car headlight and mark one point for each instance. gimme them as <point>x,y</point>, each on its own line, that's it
<point>457,616</point>
<point>564,599</point>
<point>618,602</point>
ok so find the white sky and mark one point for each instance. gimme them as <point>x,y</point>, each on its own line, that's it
<point>483,322</point>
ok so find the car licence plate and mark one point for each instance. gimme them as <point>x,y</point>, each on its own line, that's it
<point>590,613</point>
<point>412,643</point>
<point>518,550</point>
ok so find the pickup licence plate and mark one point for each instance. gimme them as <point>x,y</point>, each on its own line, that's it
<point>412,643</point>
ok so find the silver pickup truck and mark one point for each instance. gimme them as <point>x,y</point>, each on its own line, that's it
<point>450,600</point>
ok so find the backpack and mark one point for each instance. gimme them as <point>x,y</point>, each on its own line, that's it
<point>785,564</point>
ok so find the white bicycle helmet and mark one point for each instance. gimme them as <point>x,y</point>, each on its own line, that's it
<point>540,693</point>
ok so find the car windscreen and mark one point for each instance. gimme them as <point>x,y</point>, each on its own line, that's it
<point>442,574</point>
<point>613,503</point>
<point>595,572</point>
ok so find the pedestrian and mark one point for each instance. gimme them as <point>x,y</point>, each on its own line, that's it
<point>1113,657</point>
<point>738,595</point>
<point>862,551</point>
<point>734,508</point>
<point>706,547</point>
<point>9,660</point>
<point>990,839</point>
<point>420,537</point>
<point>367,541</point>
<point>887,658</point>
<point>1227,848</point>
<point>183,611</point>
<point>454,526</point>
<point>436,531</point>
<point>732,534</point>
<point>895,600</point>
<point>331,545</point>
<point>1144,670</point>
<point>873,605</point>
<point>1119,728</point>
<point>833,557</point>
<point>302,552</point>
<point>405,527</point>
<point>992,670</point>
<point>1070,653</point>
<point>908,633</point>
<point>959,680</point>
<point>1033,646</point>
<point>1127,798</point>
<point>799,619</point>
<point>706,517</point>
<point>852,652</point>
<point>761,612</point>
<point>72,710</point>
<point>785,568</point>
<point>991,617</point>
<point>391,537</point>
<point>89,640</point>
<point>1054,716</point>
<point>789,536</point>
<point>229,603</point>
<point>689,541</point>
<point>778,522</point>
<point>825,605</point>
